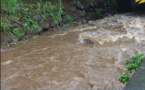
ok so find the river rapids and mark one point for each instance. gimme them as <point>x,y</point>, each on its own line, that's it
<point>89,56</point>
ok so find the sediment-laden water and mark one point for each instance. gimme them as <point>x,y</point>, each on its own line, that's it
<point>89,56</point>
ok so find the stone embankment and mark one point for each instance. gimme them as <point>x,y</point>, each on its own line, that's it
<point>137,82</point>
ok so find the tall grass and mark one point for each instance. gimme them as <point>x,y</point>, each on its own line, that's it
<point>4,24</point>
<point>47,9</point>
<point>11,7</point>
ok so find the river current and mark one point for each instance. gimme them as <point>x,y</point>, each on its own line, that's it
<point>89,56</point>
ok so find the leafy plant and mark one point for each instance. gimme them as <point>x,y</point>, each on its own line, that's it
<point>31,6</point>
<point>14,17</point>
<point>18,32</point>
<point>131,64</point>
<point>39,11</point>
<point>29,22</point>
<point>12,7</point>
<point>25,9</point>
<point>68,19</point>
<point>48,10</point>
<point>4,24</point>
<point>124,78</point>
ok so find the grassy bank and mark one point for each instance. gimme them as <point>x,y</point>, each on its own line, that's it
<point>17,16</point>
<point>20,18</point>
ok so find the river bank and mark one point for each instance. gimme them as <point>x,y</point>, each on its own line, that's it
<point>32,22</point>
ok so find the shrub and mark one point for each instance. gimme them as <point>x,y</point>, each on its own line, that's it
<point>131,64</point>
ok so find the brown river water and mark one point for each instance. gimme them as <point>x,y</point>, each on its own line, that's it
<point>89,56</point>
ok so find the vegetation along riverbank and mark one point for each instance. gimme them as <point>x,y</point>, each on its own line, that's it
<point>22,20</point>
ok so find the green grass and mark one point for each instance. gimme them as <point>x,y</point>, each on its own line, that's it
<point>12,7</point>
<point>48,10</point>
<point>22,10</point>
<point>4,24</point>
<point>14,17</point>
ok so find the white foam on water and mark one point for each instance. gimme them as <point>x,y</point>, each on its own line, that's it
<point>135,29</point>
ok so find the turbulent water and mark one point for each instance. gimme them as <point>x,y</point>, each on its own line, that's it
<point>90,56</point>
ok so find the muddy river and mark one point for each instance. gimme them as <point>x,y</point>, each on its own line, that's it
<point>89,56</point>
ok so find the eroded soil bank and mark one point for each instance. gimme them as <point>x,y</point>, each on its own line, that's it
<point>91,53</point>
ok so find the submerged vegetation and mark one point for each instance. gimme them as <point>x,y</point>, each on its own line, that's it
<point>131,64</point>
